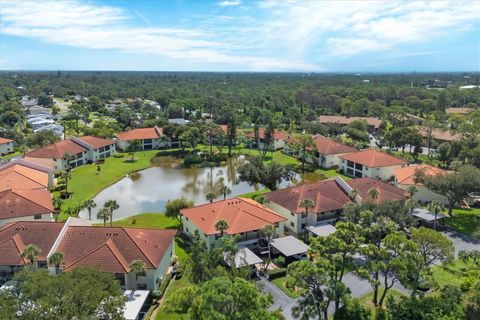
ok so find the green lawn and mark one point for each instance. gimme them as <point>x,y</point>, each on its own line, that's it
<point>281,284</point>
<point>466,221</point>
<point>449,274</point>
<point>148,220</point>
<point>331,173</point>
<point>86,182</point>
<point>254,194</point>
<point>366,300</point>
<point>172,287</point>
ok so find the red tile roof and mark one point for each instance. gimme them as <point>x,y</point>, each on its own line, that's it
<point>96,142</point>
<point>327,195</point>
<point>406,175</point>
<point>387,192</point>
<point>57,150</point>
<point>139,134</point>
<point>277,134</point>
<point>241,214</point>
<point>375,122</point>
<point>14,236</point>
<point>328,146</point>
<point>22,203</point>
<point>46,162</point>
<point>373,158</point>
<point>22,177</point>
<point>5,140</point>
<point>114,248</point>
<point>438,134</point>
<point>459,110</point>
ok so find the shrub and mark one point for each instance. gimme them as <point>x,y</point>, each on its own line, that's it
<point>118,155</point>
<point>158,294</point>
<point>277,273</point>
<point>279,261</point>
<point>192,159</point>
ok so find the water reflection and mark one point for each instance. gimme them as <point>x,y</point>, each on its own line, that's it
<point>150,189</point>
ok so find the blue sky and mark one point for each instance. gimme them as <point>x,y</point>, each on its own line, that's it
<point>240,35</point>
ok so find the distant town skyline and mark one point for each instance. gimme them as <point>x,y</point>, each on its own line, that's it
<point>239,35</point>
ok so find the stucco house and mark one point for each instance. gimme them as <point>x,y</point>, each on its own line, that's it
<point>24,204</point>
<point>245,217</point>
<point>150,138</point>
<point>372,122</point>
<point>21,174</point>
<point>370,163</point>
<point>6,146</point>
<point>279,139</point>
<point>112,249</point>
<point>329,198</point>
<point>405,177</point>
<point>85,149</point>
<point>329,151</point>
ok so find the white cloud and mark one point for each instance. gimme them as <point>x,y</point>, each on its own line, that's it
<point>229,3</point>
<point>101,27</point>
<point>352,27</point>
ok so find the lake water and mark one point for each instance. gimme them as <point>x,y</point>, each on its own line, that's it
<point>150,189</point>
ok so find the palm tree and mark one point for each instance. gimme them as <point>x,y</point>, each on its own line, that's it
<point>111,206</point>
<point>66,175</point>
<point>133,147</point>
<point>68,158</point>
<point>410,204</point>
<point>307,204</point>
<point>435,207</point>
<point>226,191</point>
<point>89,205</point>
<point>56,259</point>
<point>210,196</point>
<point>373,193</point>
<point>138,268</point>
<point>268,232</point>
<point>103,213</point>
<point>353,194</point>
<point>412,189</point>
<point>231,250</point>
<point>23,149</point>
<point>221,226</point>
<point>30,252</point>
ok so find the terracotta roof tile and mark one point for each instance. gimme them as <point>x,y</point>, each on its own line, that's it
<point>241,214</point>
<point>328,195</point>
<point>22,203</point>
<point>138,134</point>
<point>83,245</point>
<point>387,192</point>
<point>106,256</point>
<point>96,142</point>
<point>12,249</point>
<point>375,122</point>
<point>18,176</point>
<point>41,233</point>
<point>438,134</point>
<point>57,150</point>
<point>46,162</point>
<point>328,146</point>
<point>5,140</point>
<point>277,134</point>
<point>406,175</point>
<point>373,158</point>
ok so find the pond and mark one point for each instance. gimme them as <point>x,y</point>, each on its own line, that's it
<point>150,189</point>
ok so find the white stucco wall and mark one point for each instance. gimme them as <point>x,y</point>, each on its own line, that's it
<point>424,195</point>
<point>6,148</point>
<point>382,173</point>
<point>44,217</point>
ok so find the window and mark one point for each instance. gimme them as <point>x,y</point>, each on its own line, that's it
<point>303,226</point>
<point>292,224</point>
<point>37,216</point>
<point>350,164</point>
<point>292,213</point>
<point>142,286</point>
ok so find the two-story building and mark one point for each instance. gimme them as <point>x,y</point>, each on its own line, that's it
<point>278,141</point>
<point>84,150</point>
<point>372,122</point>
<point>25,175</point>
<point>406,177</point>
<point>150,138</point>
<point>245,217</point>
<point>370,163</point>
<point>329,198</point>
<point>328,151</point>
<point>6,146</point>
<point>112,249</point>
